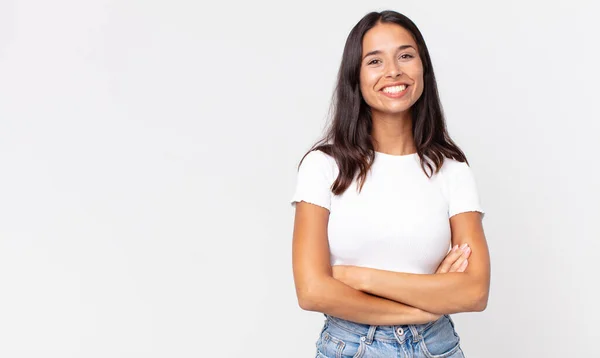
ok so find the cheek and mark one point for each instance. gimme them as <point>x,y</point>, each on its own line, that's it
<point>420,87</point>
<point>367,84</point>
<point>418,77</point>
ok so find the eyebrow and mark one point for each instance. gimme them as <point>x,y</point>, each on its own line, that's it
<point>377,52</point>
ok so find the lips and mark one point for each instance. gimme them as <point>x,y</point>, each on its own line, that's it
<point>394,84</point>
<point>395,91</point>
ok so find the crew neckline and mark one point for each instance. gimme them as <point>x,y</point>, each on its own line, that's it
<point>385,155</point>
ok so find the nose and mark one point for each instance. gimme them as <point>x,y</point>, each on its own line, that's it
<point>394,70</point>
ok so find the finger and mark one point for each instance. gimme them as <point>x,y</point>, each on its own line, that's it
<point>444,266</point>
<point>464,265</point>
<point>335,272</point>
<point>457,264</point>
<point>450,258</point>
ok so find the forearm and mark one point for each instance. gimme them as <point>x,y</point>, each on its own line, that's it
<point>337,299</point>
<point>437,293</point>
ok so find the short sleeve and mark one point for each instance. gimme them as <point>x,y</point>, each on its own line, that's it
<point>314,179</point>
<point>461,188</point>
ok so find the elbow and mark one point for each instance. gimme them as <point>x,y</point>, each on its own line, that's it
<point>477,293</point>
<point>305,300</point>
<point>310,298</point>
<point>307,304</point>
<point>479,301</point>
<point>311,303</point>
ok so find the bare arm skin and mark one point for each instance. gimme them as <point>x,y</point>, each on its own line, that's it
<point>317,289</point>
<point>443,293</point>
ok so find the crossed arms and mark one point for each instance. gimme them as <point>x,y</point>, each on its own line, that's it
<point>381,297</point>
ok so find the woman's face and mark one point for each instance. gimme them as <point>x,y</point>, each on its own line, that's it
<point>391,72</point>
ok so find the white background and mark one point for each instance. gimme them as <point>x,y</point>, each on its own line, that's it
<point>148,154</point>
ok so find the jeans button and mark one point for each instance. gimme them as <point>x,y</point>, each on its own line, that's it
<point>400,331</point>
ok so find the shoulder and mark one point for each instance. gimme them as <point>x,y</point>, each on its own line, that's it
<point>453,165</point>
<point>452,168</point>
<point>317,160</point>
<point>317,156</point>
<point>315,177</point>
<point>460,187</point>
<point>454,174</point>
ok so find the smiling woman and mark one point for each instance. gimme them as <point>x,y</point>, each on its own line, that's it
<point>379,202</point>
<point>405,80</point>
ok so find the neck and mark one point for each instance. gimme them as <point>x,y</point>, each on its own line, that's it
<point>392,133</point>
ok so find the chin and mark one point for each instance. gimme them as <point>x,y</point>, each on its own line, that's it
<point>399,110</point>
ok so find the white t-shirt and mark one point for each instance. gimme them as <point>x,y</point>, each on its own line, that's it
<point>400,220</point>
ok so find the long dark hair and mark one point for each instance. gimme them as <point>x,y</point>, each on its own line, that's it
<point>348,139</point>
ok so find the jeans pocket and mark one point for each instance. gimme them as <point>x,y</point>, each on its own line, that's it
<point>440,339</point>
<point>334,343</point>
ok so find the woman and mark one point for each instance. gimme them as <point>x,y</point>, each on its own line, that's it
<point>379,202</point>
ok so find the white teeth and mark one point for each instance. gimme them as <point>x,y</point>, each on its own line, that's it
<point>394,89</point>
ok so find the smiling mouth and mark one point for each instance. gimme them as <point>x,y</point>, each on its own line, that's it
<point>394,89</point>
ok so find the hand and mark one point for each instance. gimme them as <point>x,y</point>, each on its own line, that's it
<point>455,260</point>
<point>350,275</point>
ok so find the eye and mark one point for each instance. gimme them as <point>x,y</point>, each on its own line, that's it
<point>406,56</point>
<point>371,62</point>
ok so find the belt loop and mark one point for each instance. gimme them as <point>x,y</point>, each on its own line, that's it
<point>325,324</point>
<point>371,334</point>
<point>415,333</point>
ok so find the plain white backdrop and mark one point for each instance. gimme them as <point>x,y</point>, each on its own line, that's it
<point>148,154</point>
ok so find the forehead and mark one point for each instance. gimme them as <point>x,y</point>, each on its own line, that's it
<point>386,37</point>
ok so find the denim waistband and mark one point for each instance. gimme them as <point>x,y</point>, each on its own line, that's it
<point>382,333</point>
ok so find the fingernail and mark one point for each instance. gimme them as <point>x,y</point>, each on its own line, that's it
<point>464,245</point>
<point>467,250</point>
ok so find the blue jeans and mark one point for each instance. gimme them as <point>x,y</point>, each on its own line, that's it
<point>345,339</point>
